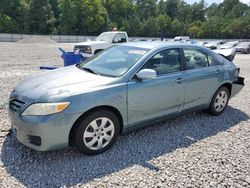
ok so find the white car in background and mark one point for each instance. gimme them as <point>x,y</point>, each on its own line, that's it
<point>214,44</point>
<point>201,43</point>
<point>103,41</point>
<point>181,39</point>
<point>229,45</point>
<point>243,47</point>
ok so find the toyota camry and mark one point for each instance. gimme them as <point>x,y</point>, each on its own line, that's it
<point>119,89</point>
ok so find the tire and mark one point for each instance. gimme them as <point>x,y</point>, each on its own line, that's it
<point>97,132</point>
<point>220,101</point>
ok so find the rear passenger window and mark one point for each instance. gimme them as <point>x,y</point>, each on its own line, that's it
<point>195,59</point>
<point>212,61</point>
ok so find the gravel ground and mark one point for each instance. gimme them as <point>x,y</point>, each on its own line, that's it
<point>195,150</point>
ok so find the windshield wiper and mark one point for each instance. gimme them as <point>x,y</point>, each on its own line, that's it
<point>87,69</point>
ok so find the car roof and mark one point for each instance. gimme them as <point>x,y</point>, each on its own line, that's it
<point>114,32</point>
<point>151,45</point>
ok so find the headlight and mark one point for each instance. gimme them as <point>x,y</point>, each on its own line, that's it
<point>88,49</point>
<point>41,109</point>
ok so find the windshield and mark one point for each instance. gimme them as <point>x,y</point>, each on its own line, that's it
<point>106,37</point>
<point>114,61</point>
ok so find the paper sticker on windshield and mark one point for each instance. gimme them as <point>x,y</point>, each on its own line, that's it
<point>138,52</point>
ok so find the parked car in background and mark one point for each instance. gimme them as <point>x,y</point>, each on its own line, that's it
<point>214,44</point>
<point>140,40</point>
<point>243,47</point>
<point>227,53</point>
<point>181,39</point>
<point>103,41</point>
<point>119,89</point>
<point>201,43</point>
<point>230,44</point>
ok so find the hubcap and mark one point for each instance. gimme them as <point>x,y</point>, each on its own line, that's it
<point>220,101</point>
<point>98,133</point>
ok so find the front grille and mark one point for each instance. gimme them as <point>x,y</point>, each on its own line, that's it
<point>82,49</point>
<point>15,104</point>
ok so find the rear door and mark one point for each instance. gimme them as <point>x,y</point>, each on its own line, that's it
<point>202,77</point>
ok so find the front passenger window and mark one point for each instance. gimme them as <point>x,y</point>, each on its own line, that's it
<point>166,61</point>
<point>195,59</point>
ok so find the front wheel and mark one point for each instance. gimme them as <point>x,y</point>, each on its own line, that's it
<point>97,132</point>
<point>219,102</point>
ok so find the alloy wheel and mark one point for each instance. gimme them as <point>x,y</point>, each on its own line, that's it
<point>220,101</point>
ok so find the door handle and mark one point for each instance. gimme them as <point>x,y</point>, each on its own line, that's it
<point>217,71</point>
<point>179,80</point>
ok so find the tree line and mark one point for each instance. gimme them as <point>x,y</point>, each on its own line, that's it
<point>145,18</point>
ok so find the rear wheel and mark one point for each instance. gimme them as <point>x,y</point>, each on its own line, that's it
<point>220,101</point>
<point>97,132</point>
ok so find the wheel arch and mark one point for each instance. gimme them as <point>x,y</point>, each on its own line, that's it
<point>104,107</point>
<point>228,86</point>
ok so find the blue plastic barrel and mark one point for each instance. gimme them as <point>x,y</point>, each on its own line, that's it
<point>70,58</point>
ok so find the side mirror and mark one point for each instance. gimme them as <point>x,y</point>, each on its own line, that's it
<point>145,74</point>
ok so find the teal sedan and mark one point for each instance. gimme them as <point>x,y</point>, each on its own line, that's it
<point>119,89</point>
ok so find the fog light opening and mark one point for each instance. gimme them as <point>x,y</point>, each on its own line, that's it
<point>35,140</point>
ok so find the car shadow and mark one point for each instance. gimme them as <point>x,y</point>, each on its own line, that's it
<point>69,167</point>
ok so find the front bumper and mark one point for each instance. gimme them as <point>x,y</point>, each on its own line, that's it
<point>43,133</point>
<point>237,86</point>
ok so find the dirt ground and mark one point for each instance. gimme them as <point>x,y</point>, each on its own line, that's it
<point>196,150</point>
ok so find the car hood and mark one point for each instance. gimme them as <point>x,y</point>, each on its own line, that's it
<point>60,83</point>
<point>89,43</point>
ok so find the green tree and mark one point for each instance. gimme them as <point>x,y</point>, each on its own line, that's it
<point>13,15</point>
<point>119,12</point>
<point>7,24</point>
<point>198,11</point>
<point>178,28</point>
<point>146,8</point>
<point>228,19</point>
<point>151,27</point>
<point>164,24</point>
<point>41,16</point>
<point>95,16</point>
<point>194,29</point>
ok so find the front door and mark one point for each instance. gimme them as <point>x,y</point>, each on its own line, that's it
<point>164,95</point>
